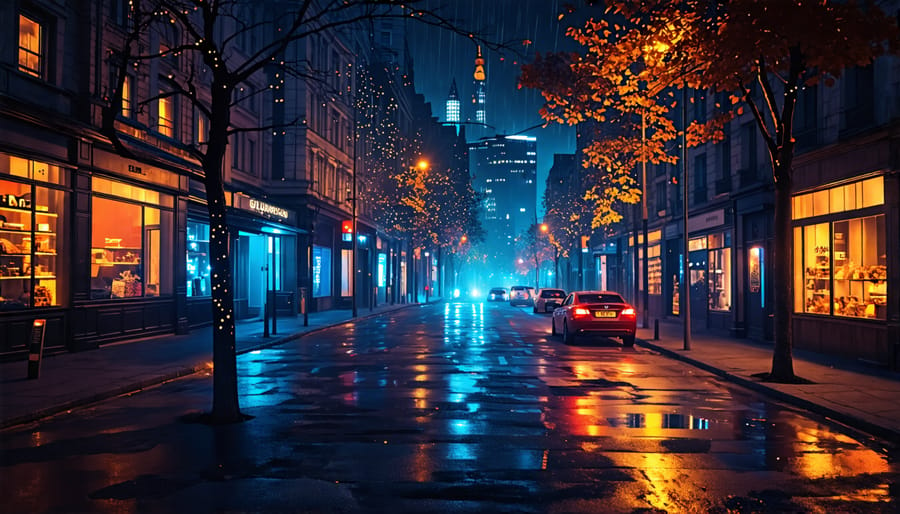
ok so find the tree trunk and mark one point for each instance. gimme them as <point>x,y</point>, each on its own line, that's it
<point>782,360</point>
<point>225,407</point>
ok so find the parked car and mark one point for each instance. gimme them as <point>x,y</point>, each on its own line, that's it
<point>548,299</point>
<point>520,295</point>
<point>498,294</point>
<point>603,313</point>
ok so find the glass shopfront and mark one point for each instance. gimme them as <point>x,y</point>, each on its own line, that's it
<point>131,241</point>
<point>321,271</point>
<point>32,223</point>
<point>719,290</point>
<point>840,262</point>
<point>198,263</point>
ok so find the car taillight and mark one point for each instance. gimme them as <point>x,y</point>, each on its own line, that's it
<point>581,311</point>
<point>627,312</point>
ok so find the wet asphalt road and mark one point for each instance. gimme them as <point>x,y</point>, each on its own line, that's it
<point>454,407</point>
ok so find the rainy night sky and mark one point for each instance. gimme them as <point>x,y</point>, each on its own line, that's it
<point>440,56</point>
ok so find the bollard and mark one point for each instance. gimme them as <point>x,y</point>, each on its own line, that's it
<point>36,348</point>
<point>656,330</point>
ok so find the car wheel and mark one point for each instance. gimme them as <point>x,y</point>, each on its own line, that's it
<point>553,327</point>
<point>628,341</point>
<point>568,337</point>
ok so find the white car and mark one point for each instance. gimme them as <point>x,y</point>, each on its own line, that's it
<point>520,295</point>
<point>548,299</point>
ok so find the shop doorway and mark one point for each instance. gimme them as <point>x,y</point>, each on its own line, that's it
<point>255,272</point>
<point>758,324</point>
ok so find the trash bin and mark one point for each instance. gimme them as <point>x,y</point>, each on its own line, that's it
<point>284,303</point>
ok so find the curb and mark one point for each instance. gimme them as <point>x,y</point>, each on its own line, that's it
<point>853,422</point>
<point>136,387</point>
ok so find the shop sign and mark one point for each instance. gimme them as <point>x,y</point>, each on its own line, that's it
<point>706,220</point>
<point>244,202</point>
<point>267,208</point>
<point>127,167</point>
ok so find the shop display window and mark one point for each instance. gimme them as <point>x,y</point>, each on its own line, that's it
<point>31,248</point>
<point>321,264</point>
<point>860,268</point>
<point>198,263</point>
<point>719,276</point>
<point>843,266</point>
<point>654,270</point>
<point>346,272</point>
<point>131,246</point>
<point>720,279</point>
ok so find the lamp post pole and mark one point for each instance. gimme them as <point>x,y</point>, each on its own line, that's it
<point>646,261</point>
<point>686,281</point>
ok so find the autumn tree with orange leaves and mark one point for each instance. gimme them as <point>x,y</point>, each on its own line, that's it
<point>773,47</point>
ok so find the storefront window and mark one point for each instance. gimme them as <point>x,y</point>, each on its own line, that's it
<point>844,268</point>
<point>719,272</point>
<point>131,244</point>
<point>32,273</point>
<point>346,275</point>
<point>860,268</point>
<point>198,265</point>
<point>321,264</point>
<point>654,270</point>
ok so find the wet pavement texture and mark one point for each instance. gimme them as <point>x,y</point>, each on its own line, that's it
<point>454,407</point>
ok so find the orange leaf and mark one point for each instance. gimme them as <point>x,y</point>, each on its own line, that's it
<point>740,111</point>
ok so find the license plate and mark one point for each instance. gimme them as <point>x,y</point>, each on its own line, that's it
<point>604,314</point>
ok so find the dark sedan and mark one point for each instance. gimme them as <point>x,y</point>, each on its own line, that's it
<point>602,313</point>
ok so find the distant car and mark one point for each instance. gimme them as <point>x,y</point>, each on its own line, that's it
<point>548,299</point>
<point>602,313</point>
<point>498,294</point>
<point>520,295</point>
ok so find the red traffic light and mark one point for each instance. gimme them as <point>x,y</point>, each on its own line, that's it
<point>347,227</point>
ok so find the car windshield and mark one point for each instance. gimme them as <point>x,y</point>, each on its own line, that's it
<point>552,294</point>
<point>498,291</point>
<point>600,298</point>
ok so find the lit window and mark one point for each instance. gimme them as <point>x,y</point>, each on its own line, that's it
<point>30,51</point>
<point>166,114</point>
<point>126,97</point>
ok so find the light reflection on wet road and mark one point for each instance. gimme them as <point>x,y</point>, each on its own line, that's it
<point>455,407</point>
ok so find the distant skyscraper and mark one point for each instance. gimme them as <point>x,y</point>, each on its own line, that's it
<point>503,172</point>
<point>479,97</point>
<point>453,107</point>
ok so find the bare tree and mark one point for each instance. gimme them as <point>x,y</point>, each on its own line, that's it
<point>226,44</point>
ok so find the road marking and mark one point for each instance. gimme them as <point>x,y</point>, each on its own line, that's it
<point>502,360</point>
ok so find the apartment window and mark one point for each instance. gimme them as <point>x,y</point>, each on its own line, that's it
<point>31,48</point>
<point>127,98</point>
<point>698,179</point>
<point>748,167</point>
<point>201,127</point>
<point>858,96</point>
<point>166,114</point>
<point>700,105</point>
<point>661,198</point>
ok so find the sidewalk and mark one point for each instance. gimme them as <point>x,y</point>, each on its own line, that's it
<point>859,395</point>
<point>856,394</point>
<point>71,380</point>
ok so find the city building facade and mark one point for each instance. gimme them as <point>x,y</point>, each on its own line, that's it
<point>106,238</point>
<point>503,171</point>
<point>845,210</point>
